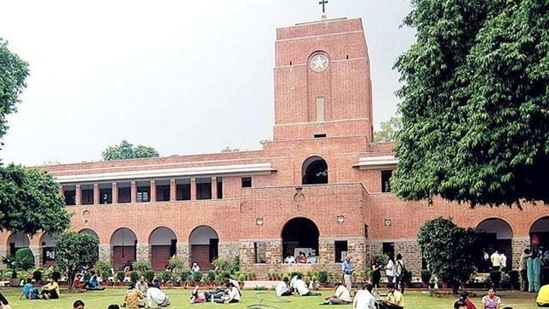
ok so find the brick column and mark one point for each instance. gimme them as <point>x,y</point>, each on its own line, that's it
<point>96,196</point>
<point>143,252</point>
<point>214,188</point>
<point>182,250</point>
<point>173,190</point>
<point>153,191</point>
<point>105,252</point>
<point>37,253</point>
<point>78,195</point>
<point>193,189</point>
<point>114,193</point>
<point>133,192</point>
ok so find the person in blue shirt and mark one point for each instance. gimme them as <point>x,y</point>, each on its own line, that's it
<point>93,284</point>
<point>29,291</point>
<point>347,269</point>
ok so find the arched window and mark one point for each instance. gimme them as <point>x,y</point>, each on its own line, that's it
<point>314,171</point>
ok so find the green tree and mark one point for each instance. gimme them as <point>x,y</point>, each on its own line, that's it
<point>30,201</point>
<point>389,130</point>
<point>475,100</point>
<point>13,72</point>
<point>125,150</point>
<point>73,251</point>
<point>449,250</point>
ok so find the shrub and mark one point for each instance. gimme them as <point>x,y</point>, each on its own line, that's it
<point>149,275</point>
<point>103,269</point>
<point>56,275</point>
<point>211,276</point>
<point>175,262</point>
<point>242,277</point>
<point>197,276</point>
<point>37,275</point>
<point>166,276</point>
<point>141,266</point>
<point>425,275</point>
<point>134,276</point>
<point>120,276</point>
<point>24,258</point>
<point>322,276</point>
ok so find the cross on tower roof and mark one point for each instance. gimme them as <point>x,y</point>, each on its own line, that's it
<point>323,3</point>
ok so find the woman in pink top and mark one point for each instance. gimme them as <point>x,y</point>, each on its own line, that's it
<point>197,297</point>
<point>491,301</point>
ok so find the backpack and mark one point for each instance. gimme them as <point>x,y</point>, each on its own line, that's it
<point>403,272</point>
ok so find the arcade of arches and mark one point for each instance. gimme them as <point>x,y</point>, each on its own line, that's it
<point>298,235</point>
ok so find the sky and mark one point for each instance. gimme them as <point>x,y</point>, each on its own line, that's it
<point>182,76</point>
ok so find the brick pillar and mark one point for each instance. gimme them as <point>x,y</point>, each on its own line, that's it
<point>182,251</point>
<point>37,253</point>
<point>214,188</point>
<point>173,190</point>
<point>326,254</point>
<point>105,252</point>
<point>133,192</point>
<point>96,197</point>
<point>143,252</point>
<point>246,254</point>
<point>114,193</point>
<point>153,191</point>
<point>78,195</point>
<point>193,189</point>
<point>518,244</point>
<point>274,252</point>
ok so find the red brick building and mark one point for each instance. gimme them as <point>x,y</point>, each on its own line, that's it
<point>320,186</point>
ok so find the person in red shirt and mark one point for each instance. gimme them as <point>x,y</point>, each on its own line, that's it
<point>77,283</point>
<point>464,297</point>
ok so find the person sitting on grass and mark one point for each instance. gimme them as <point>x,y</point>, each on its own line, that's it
<point>77,282</point>
<point>50,290</point>
<point>197,297</point>
<point>282,288</point>
<point>302,288</point>
<point>132,297</point>
<point>341,296</point>
<point>233,294</point>
<point>93,284</point>
<point>29,291</point>
<point>156,298</point>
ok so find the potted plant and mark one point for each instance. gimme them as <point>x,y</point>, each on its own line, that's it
<point>210,276</point>
<point>134,276</point>
<point>425,276</point>
<point>184,277</point>
<point>120,276</point>
<point>322,277</point>
<point>197,277</point>
<point>241,278</point>
<point>167,278</point>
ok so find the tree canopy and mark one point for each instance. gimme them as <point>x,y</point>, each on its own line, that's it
<point>475,109</point>
<point>13,72</point>
<point>449,250</point>
<point>74,251</point>
<point>389,130</point>
<point>125,150</point>
<point>30,201</point>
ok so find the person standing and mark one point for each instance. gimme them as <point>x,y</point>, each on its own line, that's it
<point>390,268</point>
<point>523,270</point>
<point>503,261</point>
<point>347,269</point>
<point>496,261</point>
<point>400,273</point>
<point>533,268</point>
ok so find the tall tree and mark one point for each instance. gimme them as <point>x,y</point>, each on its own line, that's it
<point>74,251</point>
<point>13,72</point>
<point>449,250</point>
<point>475,102</point>
<point>125,150</point>
<point>389,130</point>
<point>30,201</point>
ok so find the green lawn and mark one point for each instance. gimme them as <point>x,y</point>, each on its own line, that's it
<point>179,298</point>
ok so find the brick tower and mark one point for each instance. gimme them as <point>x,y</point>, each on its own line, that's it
<point>322,81</point>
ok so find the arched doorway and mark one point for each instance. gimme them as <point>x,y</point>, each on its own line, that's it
<point>300,235</point>
<point>94,234</point>
<point>163,246</point>
<point>48,250</point>
<point>539,231</point>
<point>17,241</point>
<point>496,234</point>
<point>124,247</point>
<point>204,243</point>
<point>314,171</point>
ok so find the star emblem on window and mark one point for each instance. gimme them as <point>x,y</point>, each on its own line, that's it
<point>318,63</point>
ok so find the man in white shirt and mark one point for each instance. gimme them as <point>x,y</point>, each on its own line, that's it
<point>292,284</point>
<point>156,298</point>
<point>341,296</point>
<point>364,298</point>
<point>503,261</point>
<point>282,289</point>
<point>496,261</point>
<point>234,294</point>
<point>302,288</point>
<point>290,259</point>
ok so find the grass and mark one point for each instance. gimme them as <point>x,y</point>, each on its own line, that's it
<point>179,299</point>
